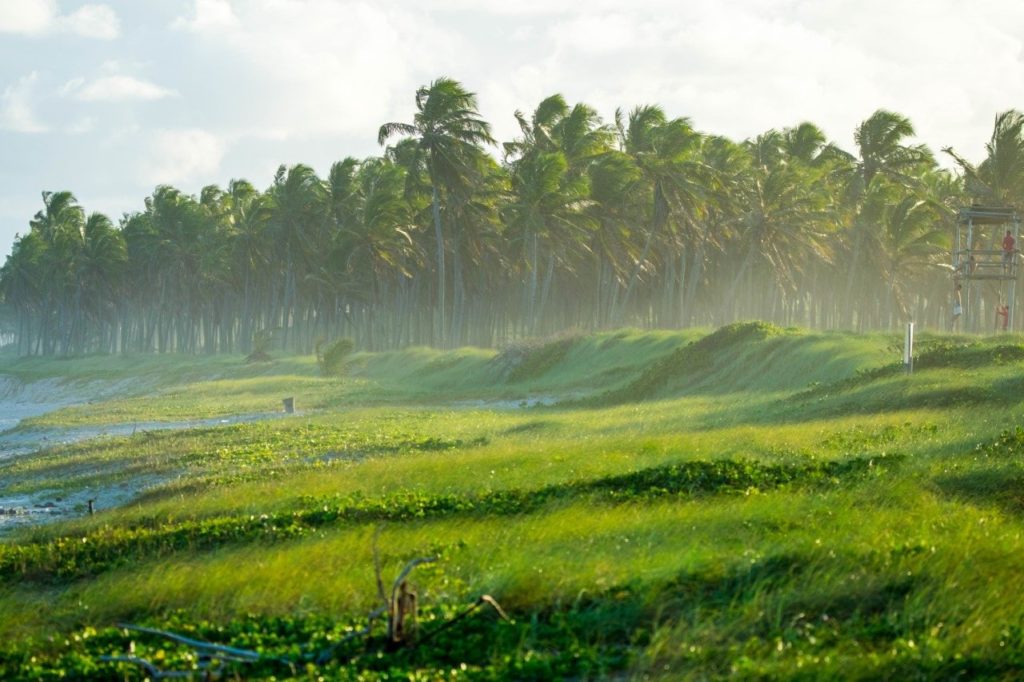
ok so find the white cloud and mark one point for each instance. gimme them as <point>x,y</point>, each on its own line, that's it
<point>71,86</point>
<point>16,113</point>
<point>81,126</point>
<point>324,66</point>
<point>27,16</point>
<point>182,156</point>
<point>38,17</point>
<point>208,15</point>
<point>539,8</point>
<point>741,67</point>
<point>92,21</point>
<point>114,89</point>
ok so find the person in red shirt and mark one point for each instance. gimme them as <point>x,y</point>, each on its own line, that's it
<point>1009,244</point>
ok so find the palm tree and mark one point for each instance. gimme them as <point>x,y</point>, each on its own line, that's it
<point>449,134</point>
<point>881,151</point>
<point>59,225</point>
<point>178,223</point>
<point>98,265</point>
<point>668,155</point>
<point>785,221</point>
<point>250,214</point>
<point>546,201</point>
<point>729,165</point>
<point>375,241</point>
<point>914,235</point>
<point>999,179</point>
<point>23,287</point>
<point>615,201</point>
<point>550,190</point>
<point>298,223</point>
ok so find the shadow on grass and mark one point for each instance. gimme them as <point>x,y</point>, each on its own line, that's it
<point>64,559</point>
<point>1001,486</point>
<point>593,636</point>
<point>873,399</point>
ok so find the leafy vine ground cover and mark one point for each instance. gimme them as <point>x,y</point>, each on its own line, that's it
<point>752,503</point>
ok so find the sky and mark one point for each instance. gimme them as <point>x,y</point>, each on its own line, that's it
<point>110,99</point>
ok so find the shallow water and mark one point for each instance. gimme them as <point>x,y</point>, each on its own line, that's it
<point>516,404</point>
<point>14,443</point>
<point>20,401</point>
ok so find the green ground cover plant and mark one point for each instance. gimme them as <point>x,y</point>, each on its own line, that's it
<point>749,503</point>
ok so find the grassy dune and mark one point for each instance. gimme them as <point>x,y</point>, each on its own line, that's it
<point>751,503</point>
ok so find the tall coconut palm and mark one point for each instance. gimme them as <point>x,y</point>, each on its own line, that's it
<point>667,153</point>
<point>999,178</point>
<point>881,150</point>
<point>375,242</point>
<point>378,231</point>
<point>785,219</point>
<point>547,168</point>
<point>97,264</point>
<point>914,235</point>
<point>59,225</point>
<point>178,222</point>
<point>23,287</point>
<point>546,206</point>
<point>250,246</point>
<point>729,164</point>
<point>298,222</point>
<point>615,203</point>
<point>449,134</point>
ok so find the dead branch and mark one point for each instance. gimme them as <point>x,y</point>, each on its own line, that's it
<point>401,609</point>
<point>226,653</point>
<point>481,600</point>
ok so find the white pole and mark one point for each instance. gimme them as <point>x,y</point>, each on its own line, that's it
<point>908,349</point>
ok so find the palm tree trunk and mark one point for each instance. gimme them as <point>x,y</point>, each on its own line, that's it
<point>435,207</point>
<point>657,222</point>
<point>546,288</point>
<point>729,304</point>
<point>850,278</point>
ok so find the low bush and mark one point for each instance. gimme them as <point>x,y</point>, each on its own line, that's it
<point>332,356</point>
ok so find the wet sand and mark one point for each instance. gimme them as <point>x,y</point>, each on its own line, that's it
<point>19,401</point>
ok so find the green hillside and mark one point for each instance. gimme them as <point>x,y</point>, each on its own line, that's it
<point>751,502</point>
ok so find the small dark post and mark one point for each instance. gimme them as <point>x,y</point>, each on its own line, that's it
<point>403,619</point>
<point>91,509</point>
<point>289,405</point>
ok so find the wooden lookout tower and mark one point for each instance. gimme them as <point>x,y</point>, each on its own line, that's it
<point>984,269</point>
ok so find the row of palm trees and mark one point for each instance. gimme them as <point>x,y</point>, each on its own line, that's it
<point>576,223</point>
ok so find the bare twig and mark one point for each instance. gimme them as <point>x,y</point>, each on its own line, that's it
<point>483,599</point>
<point>226,652</point>
<point>488,599</point>
<point>325,654</point>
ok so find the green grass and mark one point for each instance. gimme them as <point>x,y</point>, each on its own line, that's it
<point>753,503</point>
